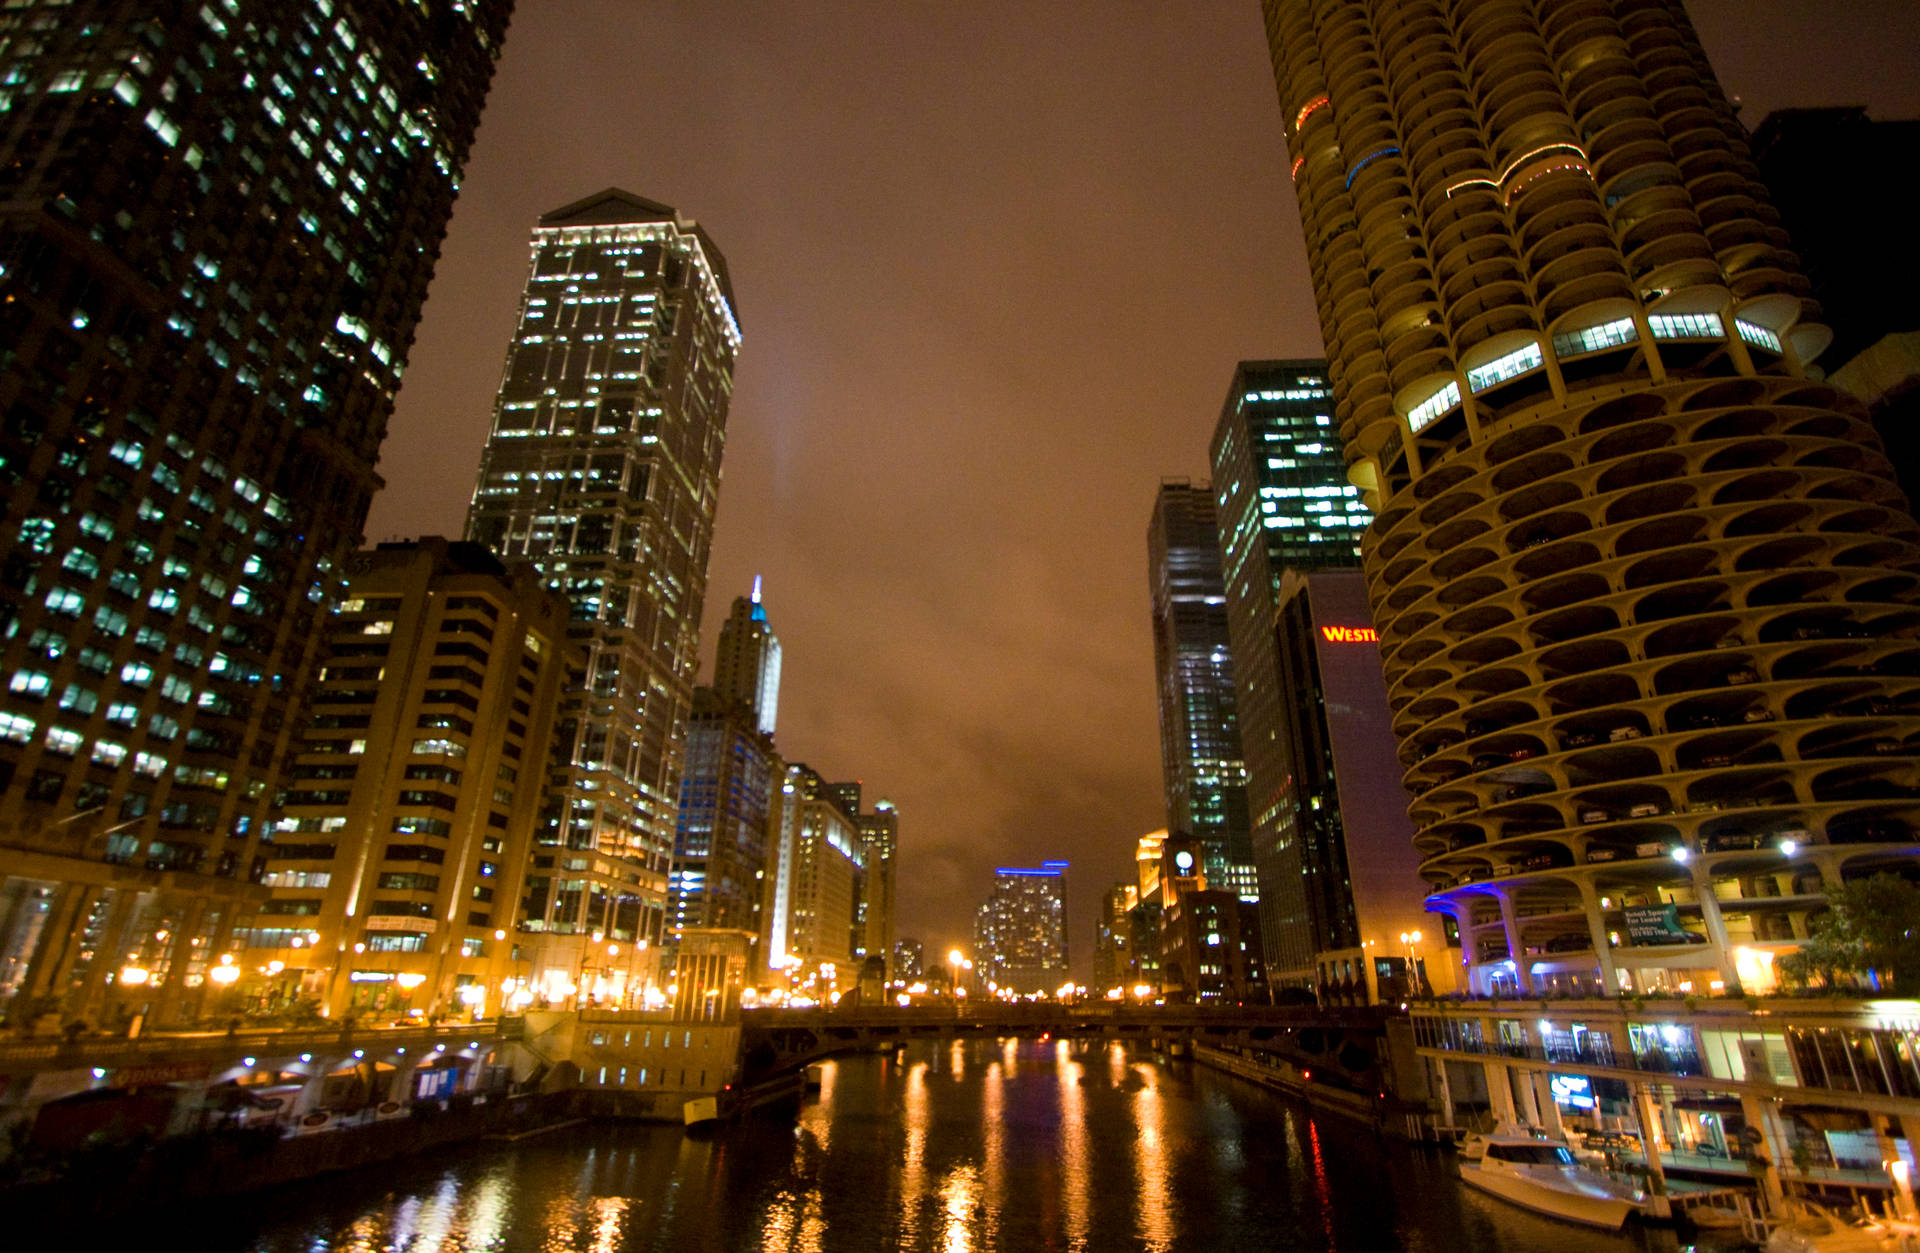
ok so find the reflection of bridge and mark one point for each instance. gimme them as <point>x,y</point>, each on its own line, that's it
<point>1342,1042</point>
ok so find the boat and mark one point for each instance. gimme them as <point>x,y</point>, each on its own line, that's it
<point>701,1111</point>
<point>1811,1228</point>
<point>1542,1175</point>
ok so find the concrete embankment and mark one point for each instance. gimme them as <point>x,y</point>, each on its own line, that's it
<point>1280,1077</point>
<point>98,1181</point>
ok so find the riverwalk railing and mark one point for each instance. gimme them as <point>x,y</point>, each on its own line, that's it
<point>109,1051</point>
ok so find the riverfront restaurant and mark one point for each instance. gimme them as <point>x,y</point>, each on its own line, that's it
<point>1814,1096</point>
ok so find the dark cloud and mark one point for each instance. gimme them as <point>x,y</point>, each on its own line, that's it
<point>995,263</point>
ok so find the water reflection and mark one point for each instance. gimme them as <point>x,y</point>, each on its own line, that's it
<point>988,1148</point>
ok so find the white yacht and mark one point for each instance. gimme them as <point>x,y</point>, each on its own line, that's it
<point>1542,1175</point>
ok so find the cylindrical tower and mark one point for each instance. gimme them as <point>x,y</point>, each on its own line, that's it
<point>1645,588</point>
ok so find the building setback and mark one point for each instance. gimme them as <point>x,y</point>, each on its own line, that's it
<point>1020,930</point>
<point>1644,588</point>
<point>603,470</point>
<point>398,868</point>
<point>216,232</point>
<point>1200,760</point>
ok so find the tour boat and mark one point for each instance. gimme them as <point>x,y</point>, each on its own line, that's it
<point>1542,1175</point>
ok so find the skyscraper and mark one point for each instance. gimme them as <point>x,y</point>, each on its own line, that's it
<point>603,469</point>
<point>1284,506</point>
<point>1643,588</point>
<point>1200,761</point>
<point>1020,930</point>
<point>746,665</point>
<point>216,235</point>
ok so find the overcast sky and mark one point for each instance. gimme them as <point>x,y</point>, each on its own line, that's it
<point>995,262</point>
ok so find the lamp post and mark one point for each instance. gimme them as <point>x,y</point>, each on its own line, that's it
<point>1415,984</point>
<point>959,962</point>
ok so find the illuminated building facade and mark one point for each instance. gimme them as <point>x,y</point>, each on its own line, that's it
<point>823,882</point>
<point>414,794</point>
<point>1201,768</point>
<point>603,470</point>
<point>726,814</point>
<point>1644,589</point>
<point>1020,930</point>
<point>879,830</point>
<point>216,235</point>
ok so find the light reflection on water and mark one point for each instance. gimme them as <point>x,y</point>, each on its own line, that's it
<point>987,1148</point>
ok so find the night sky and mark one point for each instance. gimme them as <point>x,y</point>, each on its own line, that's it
<point>995,262</point>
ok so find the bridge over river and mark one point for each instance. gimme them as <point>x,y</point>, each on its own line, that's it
<point>1345,1044</point>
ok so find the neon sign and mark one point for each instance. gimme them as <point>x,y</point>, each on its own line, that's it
<point>1350,635</point>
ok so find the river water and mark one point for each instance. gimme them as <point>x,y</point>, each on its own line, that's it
<point>968,1148</point>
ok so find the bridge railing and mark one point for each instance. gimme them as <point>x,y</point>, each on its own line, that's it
<point>115,1051</point>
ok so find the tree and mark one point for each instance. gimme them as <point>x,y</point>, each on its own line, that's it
<point>1872,925</point>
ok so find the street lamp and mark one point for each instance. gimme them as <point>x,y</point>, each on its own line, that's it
<point>1407,940</point>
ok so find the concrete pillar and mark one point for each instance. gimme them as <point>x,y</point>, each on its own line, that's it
<point>1528,1099</point>
<point>1443,1089</point>
<point>1597,934</point>
<point>1886,1129</point>
<point>58,947</point>
<point>113,942</point>
<point>1757,1114</point>
<point>1541,1084</point>
<point>1651,1134</point>
<point>1716,929</point>
<point>1521,974</point>
<point>1500,1092</point>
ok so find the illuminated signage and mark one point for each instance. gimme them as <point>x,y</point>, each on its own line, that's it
<point>1350,635</point>
<point>370,976</point>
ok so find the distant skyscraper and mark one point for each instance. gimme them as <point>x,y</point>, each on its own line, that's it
<point>1200,760</point>
<point>1020,931</point>
<point>746,665</point>
<point>1644,586</point>
<point>1284,504</point>
<point>1113,939</point>
<point>603,469</point>
<point>217,225</point>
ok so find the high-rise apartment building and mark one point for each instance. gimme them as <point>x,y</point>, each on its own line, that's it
<point>726,815</point>
<point>216,230</point>
<point>1020,930</point>
<point>746,665</point>
<point>1283,503</point>
<point>603,470</point>
<point>1644,589</point>
<point>909,959</point>
<point>1201,767</point>
<point>403,852</point>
